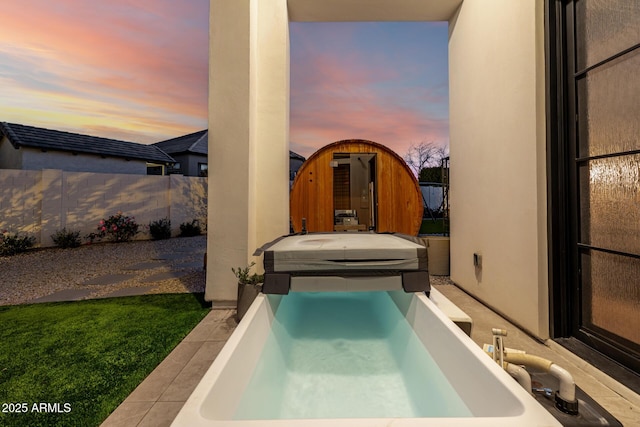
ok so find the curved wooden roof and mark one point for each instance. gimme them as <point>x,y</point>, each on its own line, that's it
<point>399,207</point>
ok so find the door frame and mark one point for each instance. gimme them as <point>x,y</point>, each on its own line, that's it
<point>565,298</point>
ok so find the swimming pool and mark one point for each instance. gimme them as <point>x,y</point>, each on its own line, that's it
<point>355,359</point>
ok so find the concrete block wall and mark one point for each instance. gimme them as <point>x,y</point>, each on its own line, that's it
<point>188,200</point>
<point>20,201</point>
<point>41,202</point>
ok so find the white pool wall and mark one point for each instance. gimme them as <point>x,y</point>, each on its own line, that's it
<point>494,398</point>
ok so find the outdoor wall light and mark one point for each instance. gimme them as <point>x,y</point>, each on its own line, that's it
<point>477,260</point>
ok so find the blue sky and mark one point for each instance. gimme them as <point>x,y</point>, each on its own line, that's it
<point>137,71</point>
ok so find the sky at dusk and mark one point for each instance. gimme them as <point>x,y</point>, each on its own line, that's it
<point>385,82</point>
<point>136,70</point>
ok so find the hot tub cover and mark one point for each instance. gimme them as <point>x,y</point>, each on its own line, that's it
<point>344,254</point>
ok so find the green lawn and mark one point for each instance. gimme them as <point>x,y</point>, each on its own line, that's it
<point>430,226</point>
<point>73,363</point>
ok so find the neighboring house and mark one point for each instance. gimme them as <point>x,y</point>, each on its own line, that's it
<point>191,155</point>
<point>32,148</point>
<point>190,152</point>
<point>295,162</point>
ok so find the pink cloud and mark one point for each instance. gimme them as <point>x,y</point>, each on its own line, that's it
<point>152,54</point>
<point>333,101</point>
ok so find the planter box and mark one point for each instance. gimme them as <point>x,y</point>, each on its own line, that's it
<point>438,254</point>
<point>246,295</point>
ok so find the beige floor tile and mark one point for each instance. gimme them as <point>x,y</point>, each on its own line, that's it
<point>201,332</point>
<point>590,385</point>
<point>216,326</point>
<point>223,331</point>
<point>127,414</point>
<point>161,414</point>
<point>220,314</point>
<point>180,356</point>
<point>625,412</point>
<point>184,384</point>
<point>206,325</point>
<point>209,351</point>
<point>161,378</point>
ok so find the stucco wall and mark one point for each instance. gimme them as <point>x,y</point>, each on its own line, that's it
<point>41,202</point>
<point>10,158</point>
<point>498,184</point>
<point>37,160</point>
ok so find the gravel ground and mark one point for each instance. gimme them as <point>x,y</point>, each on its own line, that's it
<point>41,272</point>
<point>440,280</point>
<point>38,273</point>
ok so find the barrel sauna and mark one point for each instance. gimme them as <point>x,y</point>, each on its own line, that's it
<point>356,185</point>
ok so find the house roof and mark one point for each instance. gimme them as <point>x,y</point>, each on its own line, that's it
<point>196,143</point>
<point>47,139</point>
<point>297,156</point>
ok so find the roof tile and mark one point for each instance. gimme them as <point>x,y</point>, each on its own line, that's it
<point>48,139</point>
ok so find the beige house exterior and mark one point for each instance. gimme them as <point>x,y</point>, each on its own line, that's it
<point>499,141</point>
<point>502,124</point>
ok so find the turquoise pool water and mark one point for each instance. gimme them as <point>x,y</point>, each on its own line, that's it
<point>346,355</point>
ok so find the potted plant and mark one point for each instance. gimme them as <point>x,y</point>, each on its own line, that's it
<point>249,286</point>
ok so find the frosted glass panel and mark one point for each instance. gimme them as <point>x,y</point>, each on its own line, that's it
<point>604,28</point>
<point>610,203</point>
<point>611,298</point>
<point>608,105</point>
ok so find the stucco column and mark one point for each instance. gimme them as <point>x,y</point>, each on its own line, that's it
<point>248,135</point>
<point>498,167</point>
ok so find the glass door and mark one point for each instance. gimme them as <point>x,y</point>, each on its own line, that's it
<point>354,195</point>
<point>603,81</point>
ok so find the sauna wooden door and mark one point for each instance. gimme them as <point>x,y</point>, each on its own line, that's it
<point>354,196</point>
<point>358,175</point>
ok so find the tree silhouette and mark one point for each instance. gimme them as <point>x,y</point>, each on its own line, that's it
<point>424,156</point>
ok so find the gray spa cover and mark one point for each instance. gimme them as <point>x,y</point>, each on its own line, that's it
<point>344,255</point>
<point>344,252</point>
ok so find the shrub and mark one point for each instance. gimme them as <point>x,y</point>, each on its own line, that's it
<point>248,279</point>
<point>117,228</point>
<point>66,238</point>
<point>11,244</point>
<point>188,229</point>
<point>160,229</point>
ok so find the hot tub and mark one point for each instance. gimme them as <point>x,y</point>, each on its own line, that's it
<point>375,358</point>
<point>345,262</point>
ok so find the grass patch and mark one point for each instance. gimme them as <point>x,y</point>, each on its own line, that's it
<point>84,358</point>
<point>430,226</point>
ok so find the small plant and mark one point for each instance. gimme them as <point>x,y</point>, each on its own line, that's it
<point>245,278</point>
<point>66,238</point>
<point>117,228</point>
<point>160,229</point>
<point>11,244</point>
<point>249,286</point>
<point>189,229</point>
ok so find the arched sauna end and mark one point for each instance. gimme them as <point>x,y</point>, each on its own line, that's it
<point>356,185</point>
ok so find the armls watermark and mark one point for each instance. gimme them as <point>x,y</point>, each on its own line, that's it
<point>41,407</point>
